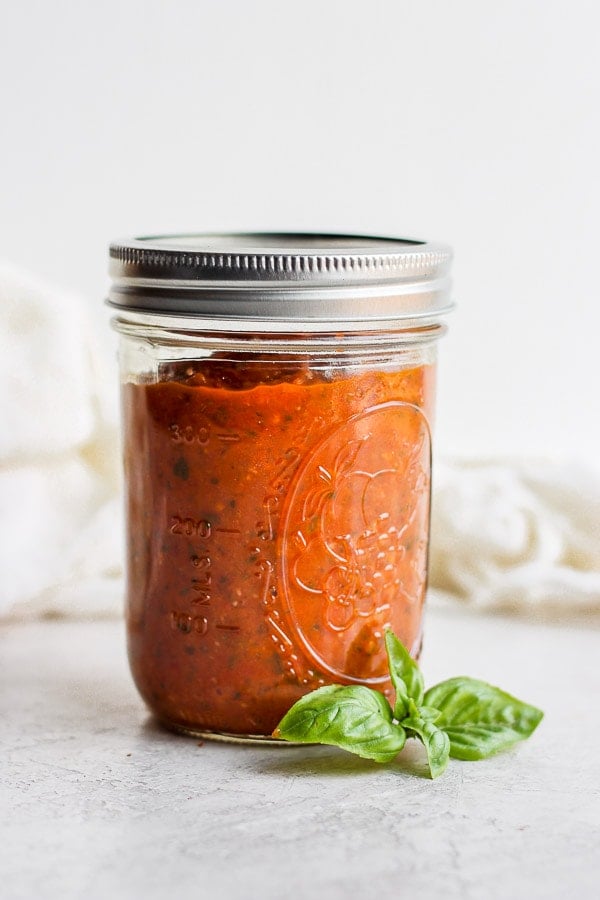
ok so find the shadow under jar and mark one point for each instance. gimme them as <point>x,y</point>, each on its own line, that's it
<point>277,397</point>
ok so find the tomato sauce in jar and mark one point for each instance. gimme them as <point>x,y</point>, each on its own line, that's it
<point>277,492</point>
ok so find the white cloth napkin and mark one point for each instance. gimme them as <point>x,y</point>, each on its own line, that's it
<point>519,535</point>
<point>60,523</point>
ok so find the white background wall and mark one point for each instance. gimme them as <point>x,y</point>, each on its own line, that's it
<point>468,121</point>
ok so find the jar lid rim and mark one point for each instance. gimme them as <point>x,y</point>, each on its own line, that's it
<point>275,257</point>
<point>316,266</point>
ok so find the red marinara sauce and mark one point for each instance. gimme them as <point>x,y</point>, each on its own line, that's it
<point>278,522</point>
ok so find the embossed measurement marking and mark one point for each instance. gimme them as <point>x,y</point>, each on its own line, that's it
<point>199,434</point>
<point>201,581</point>
<point>189,526</point>
<point>186,624</point>
<point>227,437</point>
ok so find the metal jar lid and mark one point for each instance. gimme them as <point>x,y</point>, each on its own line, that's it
<point>282,280</point>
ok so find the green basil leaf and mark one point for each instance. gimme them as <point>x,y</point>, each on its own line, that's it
<point>405,674</point>
<point>428,713</point>
<point>479,718</point>
<point>436,742</point>
<point>352,717</point>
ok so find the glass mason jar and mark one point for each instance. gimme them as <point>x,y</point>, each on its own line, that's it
<point>277,397</point>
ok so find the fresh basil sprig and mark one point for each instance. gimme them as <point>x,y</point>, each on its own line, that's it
<point>462,717</point>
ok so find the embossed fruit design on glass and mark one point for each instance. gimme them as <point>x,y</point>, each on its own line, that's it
<point>277,405</point>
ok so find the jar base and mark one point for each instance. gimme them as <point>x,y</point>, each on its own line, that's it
<point>225,737</point>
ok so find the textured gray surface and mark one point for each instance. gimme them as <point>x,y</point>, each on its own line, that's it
<point>99,802</point>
